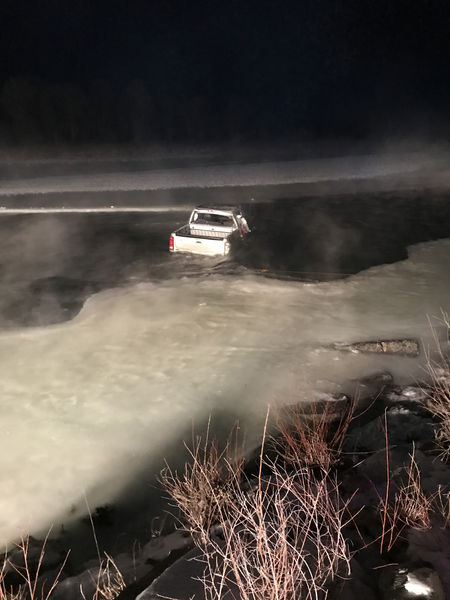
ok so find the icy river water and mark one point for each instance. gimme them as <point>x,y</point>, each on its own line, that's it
<point>112,350</point>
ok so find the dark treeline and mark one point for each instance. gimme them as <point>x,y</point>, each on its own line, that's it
<point>34,110</point>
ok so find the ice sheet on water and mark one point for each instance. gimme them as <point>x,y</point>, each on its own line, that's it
<point>83,403</point>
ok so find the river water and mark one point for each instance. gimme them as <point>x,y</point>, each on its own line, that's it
<point>112,350</point>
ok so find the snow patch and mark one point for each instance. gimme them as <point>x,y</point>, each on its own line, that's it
<point>416,586</point>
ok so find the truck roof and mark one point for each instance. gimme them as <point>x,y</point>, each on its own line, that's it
<point>222,209</point>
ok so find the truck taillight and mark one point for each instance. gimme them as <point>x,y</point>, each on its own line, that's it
<point>171,243</point>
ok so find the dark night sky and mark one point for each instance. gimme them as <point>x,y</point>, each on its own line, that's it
<point>331,63</point>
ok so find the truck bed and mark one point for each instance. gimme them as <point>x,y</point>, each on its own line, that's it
<point>201,233</point>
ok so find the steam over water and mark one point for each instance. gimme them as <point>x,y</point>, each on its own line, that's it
<point>158,343</point>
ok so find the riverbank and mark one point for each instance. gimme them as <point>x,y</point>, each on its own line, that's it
<point>375,469</point>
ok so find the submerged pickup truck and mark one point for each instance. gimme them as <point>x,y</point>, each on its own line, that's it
<point>210,231</point>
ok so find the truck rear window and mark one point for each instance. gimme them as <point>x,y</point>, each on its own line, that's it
<point>212,219</point>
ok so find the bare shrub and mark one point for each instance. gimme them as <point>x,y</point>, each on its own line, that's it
<point>313,439</point>
<point>8,592</point>
<point>283,540</point>
<point>204,490</point>
<point>277,537</point>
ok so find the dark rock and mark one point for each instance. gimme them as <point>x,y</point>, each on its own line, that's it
<point>373,470</point>
<point>179,581</point>
<point>433,547</point>
<point>353,587</point>
<point>370,387</point>
<point>72,588</point>
<point>124,570</point>
<point>403,426</point>
<point>317,404</point>
<point>364,491</point>
<point>159,548</point>
<point>154,573</point>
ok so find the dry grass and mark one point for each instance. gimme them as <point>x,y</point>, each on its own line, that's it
<point>277,537</point>
<point>438,396</point>
<point>411,507</point>
<point>34,585</point>
<point>313,439</point>
<point>410,502</point>
<point>204,490</point>
<point>109,582</point>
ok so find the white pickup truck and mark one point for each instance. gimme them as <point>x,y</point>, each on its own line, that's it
<point>210,231</point>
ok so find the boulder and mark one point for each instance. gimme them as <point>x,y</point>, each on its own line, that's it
<point>159,548</point>
<point>180,580</point>
<point>72,588</point>
<point>183,579</point>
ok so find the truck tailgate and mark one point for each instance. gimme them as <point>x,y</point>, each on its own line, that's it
<point>199,245</point>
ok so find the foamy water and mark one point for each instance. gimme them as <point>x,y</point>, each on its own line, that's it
<point>86,403</point>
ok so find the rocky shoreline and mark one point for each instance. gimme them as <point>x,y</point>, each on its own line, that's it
<point>392,452</point>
